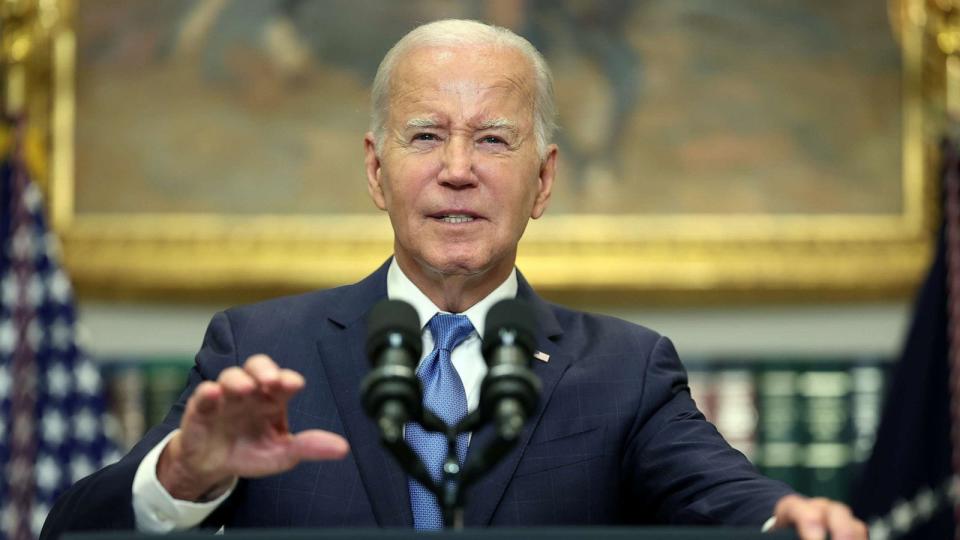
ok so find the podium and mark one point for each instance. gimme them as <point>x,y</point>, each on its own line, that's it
<point>565,533</point>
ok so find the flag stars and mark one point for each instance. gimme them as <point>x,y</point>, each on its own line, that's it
<point>85,425</point>
<point>54,427</point>
<point>926,503</point>
<point>8,519</point>
<point>80,467</point>
<point>8,288</point>
<point>110,457</point>
<point>55,433</point>
<point>902,516</point>
<point>58,381</point>
<point>48,473</point>
<point>53,245</point>
<point>60,289</point>
<point>61,335</point>
<point>23,245</point>
<point>879,530</point>
<point>40,511</point>
<point>88,378</point>
<point>32,199</point>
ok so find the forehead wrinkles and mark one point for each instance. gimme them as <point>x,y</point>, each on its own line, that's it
<point>426,75</point>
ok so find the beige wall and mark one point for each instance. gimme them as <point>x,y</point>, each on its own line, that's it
<point>877,329</point>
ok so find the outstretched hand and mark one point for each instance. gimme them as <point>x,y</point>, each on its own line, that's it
<point>237,426</point>
<point>814,518</point>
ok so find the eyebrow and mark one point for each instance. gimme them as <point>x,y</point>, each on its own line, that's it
<point>415,123</point>
<point>497,123</point>
<point>494,123</point>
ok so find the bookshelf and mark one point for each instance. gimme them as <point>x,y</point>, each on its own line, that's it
<point>807,421</point>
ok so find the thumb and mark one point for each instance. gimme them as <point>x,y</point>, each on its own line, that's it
<point>806,515</point>
<point>316,444</point>
<point>811,530</point>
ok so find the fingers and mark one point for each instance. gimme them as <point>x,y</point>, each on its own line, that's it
<point>317,444</point>
<point>260,373</point>
<point>262,370</point>
<point>237,425</point>
<point>291,381</point>
<point>271,378</point>
<point>236,383</point>
<point>812,518</point>
<point>843,525</point>
<point>805,515</point>
<point>259,378</point>
<point>206,398</point>
<point>204,405</point>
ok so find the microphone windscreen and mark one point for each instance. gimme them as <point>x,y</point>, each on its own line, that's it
<point>393,317</point>
<point>513,314</point>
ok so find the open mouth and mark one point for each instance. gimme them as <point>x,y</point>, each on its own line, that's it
<point>455,217</point>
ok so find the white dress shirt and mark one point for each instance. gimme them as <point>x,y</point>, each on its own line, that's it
<point>467,357</point>
<point>156,511</point>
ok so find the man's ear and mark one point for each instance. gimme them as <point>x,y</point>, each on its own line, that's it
<point>548,171</point>
<point>372,161</point>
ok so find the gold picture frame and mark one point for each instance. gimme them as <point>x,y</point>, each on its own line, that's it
<point>591,258</point>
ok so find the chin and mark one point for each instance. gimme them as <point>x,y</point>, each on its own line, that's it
<point>459,264</point>
<point>457,268</point>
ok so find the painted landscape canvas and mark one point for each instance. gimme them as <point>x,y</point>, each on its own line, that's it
<point>694,107</point>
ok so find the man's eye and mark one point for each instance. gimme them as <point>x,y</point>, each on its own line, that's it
<point>425,137</point>
<point>492,139</point>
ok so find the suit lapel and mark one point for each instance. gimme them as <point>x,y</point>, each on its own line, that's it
<point>484,496</point>
<point>342,355</point>
<point>341,349</point>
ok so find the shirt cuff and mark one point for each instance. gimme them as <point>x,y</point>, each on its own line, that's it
<point>768,524</point>
<point>155,510</point>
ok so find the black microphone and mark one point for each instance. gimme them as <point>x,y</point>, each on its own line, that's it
<point>391,393</point>
<point>510,391</point>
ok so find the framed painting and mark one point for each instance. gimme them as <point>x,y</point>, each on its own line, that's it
<point>743,149</point>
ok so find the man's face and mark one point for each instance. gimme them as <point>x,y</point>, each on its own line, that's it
<point>459,172</point>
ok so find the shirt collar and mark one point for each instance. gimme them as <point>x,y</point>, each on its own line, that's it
<point>399,287</point>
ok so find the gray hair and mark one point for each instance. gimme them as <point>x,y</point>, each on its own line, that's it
<point>459,32</point>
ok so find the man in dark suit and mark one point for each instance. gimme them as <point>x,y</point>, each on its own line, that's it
<point>459,157</point>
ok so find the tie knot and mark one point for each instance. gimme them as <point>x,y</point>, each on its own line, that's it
<point>449,330</point>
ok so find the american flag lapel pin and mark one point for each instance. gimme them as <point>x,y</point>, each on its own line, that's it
<point>541,356</point>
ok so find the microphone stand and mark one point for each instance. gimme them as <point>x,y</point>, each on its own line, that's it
<point>393,395</point>
<point>450,490</point>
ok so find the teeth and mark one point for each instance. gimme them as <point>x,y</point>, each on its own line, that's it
<point>457,218</point>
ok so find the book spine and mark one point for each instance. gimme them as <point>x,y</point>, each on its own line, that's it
<point>866,404</point>
<point>702,390</point>
<point>125,387</point>
<point>736,410</point>
<point>827,431</point>
<point>165,381</point>
<point>779,451</point>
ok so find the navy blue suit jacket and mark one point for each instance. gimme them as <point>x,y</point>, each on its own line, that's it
<point>616,439</point>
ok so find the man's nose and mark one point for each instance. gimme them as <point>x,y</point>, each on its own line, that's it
<point>457,170</point>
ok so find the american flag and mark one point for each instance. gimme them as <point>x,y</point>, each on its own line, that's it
<point>51,400</point>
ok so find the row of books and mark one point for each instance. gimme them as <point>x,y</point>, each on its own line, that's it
<point>807,422</point>
<point>140,393</point>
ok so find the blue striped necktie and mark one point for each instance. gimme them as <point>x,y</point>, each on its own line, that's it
<point>444,395</point>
